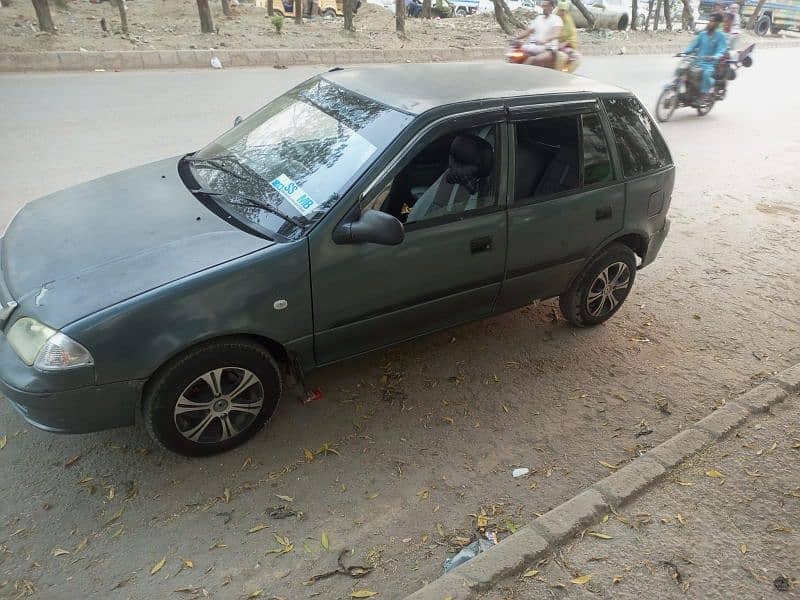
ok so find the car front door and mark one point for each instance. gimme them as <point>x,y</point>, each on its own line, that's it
<point>448,268</point>
<point>567,200</point>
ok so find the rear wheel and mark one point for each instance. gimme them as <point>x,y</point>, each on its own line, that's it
<point>329,12</point>
<point>667,103</point>
<point>763,25</point>
<point>601,288</point>
<point>461,12</point>
<point>213,397</point>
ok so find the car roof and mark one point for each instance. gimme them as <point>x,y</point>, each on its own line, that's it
<point>417,88</point>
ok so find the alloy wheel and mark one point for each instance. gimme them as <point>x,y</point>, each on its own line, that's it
<point>608,289</point>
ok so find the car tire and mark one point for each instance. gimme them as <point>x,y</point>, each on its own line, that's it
<point>461,12</point>
<point>581,305</point>
<point>213,397</point>
<point>763,26</point>
<point>330,13</point>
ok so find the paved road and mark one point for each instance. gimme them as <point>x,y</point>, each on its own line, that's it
<point>719,308</point>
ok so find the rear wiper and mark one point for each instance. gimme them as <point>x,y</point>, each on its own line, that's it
<point>214,163</point>
<point>254,202</point>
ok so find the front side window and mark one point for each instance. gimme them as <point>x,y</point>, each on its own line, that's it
<point>640,145</point>
<point>547,158</point>
<point>296,155</point>
<point>448,178</point>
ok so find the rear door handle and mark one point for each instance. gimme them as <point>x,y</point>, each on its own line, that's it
<point>602,213</point>
<point>481,244</point>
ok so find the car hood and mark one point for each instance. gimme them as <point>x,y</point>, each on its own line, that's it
<point>88,247</point>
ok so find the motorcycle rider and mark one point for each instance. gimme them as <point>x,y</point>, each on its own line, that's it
<point>709,45</point>
<point>568,40</point>
<point>542,37</point>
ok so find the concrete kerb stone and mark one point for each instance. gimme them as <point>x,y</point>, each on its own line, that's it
<point>629,481</point>
<point>452,586</point>
<point>566,519</point>
<point>680,447</point>
<point>506,559</point>
<point>761,398</point>
<point>724,419</point>
<point>789,379</point>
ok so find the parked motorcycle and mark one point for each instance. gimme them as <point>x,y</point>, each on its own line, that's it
<point>567,58</point>
<point>684,89</point>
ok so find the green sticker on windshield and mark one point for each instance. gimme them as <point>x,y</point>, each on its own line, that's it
<point>294,194</point>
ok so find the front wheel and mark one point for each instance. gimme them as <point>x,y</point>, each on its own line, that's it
<point>763,26</point>
<point>213,397</point>
<point>599,291</point>
<point>667,103</point>
<point>705,106</point>
<point>461,12</point>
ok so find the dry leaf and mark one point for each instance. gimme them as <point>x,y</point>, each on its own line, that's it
<point>743,548</point>
<point>83,543</point>
<point>114,518</point>
<point>218,545</point>
<point>60,552</point>
<point>582,580</point>
<point>3,442</point>
<point>226,495</point>
<point>247,462</point>
<point>118,532</point>
<point>483,521</point>
<point>601,536</point>
<point>285,498</point>
<point>530,573</point>
<point>423,494</point>
<point>714,473</point>
<point>325,542</point>
<point>424,538</point>
<point>608,465</point>
<point>363,594</point>
<point>604,519</point>
<point>258,527</point>
<point>617,579</point>
<point>684,483</point>
<point>111,492</point>
<point>187,563</point>
<point>680,519</point>
<point>256,594</point>
<point>308,454</point>
<point>448,420</point>
<point>71,461</point>
<point>796,446</point>
<point>782,529</point>
<point>158,566</point>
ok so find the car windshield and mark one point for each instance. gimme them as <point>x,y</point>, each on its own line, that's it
<point>285,166</point>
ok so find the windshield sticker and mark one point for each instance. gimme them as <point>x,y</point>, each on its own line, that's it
<point>294,194</point>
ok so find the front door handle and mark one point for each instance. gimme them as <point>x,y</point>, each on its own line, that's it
<point>481,244</point>
<point>602,213</point>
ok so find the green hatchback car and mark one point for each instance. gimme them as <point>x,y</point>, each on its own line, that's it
<point>364,207</point>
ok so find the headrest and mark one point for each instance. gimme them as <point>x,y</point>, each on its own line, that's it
<point>470,160</point>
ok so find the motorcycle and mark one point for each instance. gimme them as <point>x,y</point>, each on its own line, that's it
<point>684,89</point>
<point>567,58</point>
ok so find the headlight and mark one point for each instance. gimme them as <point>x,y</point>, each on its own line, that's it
<point>45,348</point>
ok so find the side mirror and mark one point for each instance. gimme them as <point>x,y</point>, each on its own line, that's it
<point>237,120</point>
<point>374,227</point>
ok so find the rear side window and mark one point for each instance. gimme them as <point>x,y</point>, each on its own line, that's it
<point>596,162</point>
<point>641,147</point>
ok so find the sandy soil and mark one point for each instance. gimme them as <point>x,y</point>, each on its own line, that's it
<point>174,24</point>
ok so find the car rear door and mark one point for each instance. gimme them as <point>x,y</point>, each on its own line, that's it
<point>564,202</point>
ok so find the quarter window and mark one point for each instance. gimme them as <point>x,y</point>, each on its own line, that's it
<point>640,145</point>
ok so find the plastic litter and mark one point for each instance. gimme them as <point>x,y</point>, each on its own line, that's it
<point>467,553</point>
<point>520,472</point>
<point>216,63</point>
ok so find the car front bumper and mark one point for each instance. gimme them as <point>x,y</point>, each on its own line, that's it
<point>66,402</point>
<point>655,243</point>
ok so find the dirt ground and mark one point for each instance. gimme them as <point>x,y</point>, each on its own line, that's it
<point>725,525</point>
<point>174,24</point>
<point>411,444</point>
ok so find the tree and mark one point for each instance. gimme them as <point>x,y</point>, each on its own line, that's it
<point>206,20</point>
<point>657,15</point>
<point>298,11</point>
<point>270,8</point>
<point>510,16</point>
<point>123,14</point>
<point>585,12</point>
<point>500,16</point>
<point>400,16</point>
<point>426,9</point>
<point>751,23</point>
<point>348,15</point>
<point>226,8</point>
<point>687,20</point>
<point>649,14</point>
<point>43,15</point>
<point>668,15</point>
<point>634,14</point>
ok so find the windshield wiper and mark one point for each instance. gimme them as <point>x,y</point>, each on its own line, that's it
<point>216,160</point>
<point>255,203</point>
<point>214,163</point>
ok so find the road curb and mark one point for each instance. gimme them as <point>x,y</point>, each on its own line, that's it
<point>126,60</point>
<point>538,539</point>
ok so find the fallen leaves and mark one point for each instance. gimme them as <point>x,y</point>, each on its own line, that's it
<point>72,460</point>
<point>189,564</point>
<point>363,594</point>
<point>247,462</point>
<point>743,548</point>
<point>684,483</point>
<point>530,573</point>
<point>257,528</point>
<point>600,536</point>
<point>60,552</point>
<point>226,495</point>
<point>308,455</point>
<point>3,442</point>
<point>158,566</point>
<point>325,541</point>
<point>285,544</point>
<point>582,580</point>
<point>616,579</point>
<point>714,474</point>
<point>782,529</point>
<point>608,465</point>
<point>796,446</point>
<point>114,518</point>
<point>285,498</point>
